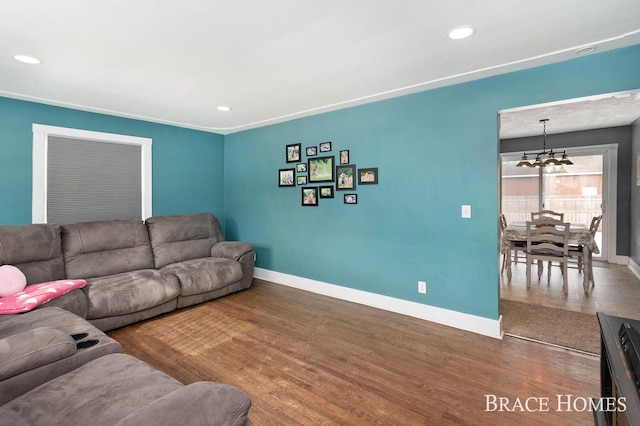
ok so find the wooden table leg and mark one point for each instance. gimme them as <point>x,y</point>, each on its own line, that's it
<point>509,263</point>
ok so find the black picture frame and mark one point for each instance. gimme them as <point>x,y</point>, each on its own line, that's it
<point>325,147</point>
<point>309,196</point>
<point>292,153</point>
<point>326,192</point>
<point>301,180</point>
<point>321,169</point>
<point>344,156</point>
<point>368,176</point>
<point>351,198</point>
<point>301,168</point>
<point>345,177</point>
<point>312,150</point>
<point>287,177</point>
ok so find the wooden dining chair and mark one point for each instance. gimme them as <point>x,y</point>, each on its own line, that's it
<point>548,241</point>
<point>550,214</point>
<point>547,213</point>
<point>577,250</point>
<point>517,247</point>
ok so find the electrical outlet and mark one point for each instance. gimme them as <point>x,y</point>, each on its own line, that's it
<point>422,287</point>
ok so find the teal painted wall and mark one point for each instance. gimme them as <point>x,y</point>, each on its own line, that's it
<point>435,151</point>
<point>188,165</point>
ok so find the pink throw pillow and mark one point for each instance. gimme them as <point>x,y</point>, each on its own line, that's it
<point>12,280</point>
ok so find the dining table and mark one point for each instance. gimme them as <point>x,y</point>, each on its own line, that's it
<point>579,235</point>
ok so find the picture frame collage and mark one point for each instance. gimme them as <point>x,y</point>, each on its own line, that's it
<point>320,168</point>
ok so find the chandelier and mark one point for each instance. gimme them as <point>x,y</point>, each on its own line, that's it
<point>550,160</point>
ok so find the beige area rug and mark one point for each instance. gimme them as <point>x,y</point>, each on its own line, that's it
<point>570,329</point>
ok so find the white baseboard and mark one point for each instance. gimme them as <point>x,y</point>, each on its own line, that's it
<point>473,323</point>
<point>635,268</point>
<point>620,260</point>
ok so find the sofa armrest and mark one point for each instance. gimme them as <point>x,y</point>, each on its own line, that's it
<point>231,249</point>
<point>34,348</point>
<point>198,403</point>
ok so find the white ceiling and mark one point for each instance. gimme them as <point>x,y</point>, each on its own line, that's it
<point>593,112</point>
<point>175,61</point>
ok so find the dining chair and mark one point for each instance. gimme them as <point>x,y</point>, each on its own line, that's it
<point>516,246</point>
<point>547,213</point>
<point>576,250</point>
<point>550,214</point>
<point>548,240</point>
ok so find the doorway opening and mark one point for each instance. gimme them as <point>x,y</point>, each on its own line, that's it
<point>581,191</point>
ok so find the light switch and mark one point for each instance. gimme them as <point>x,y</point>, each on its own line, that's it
<point>466,212</point>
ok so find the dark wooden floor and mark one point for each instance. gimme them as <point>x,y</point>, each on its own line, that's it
<point>313,360</point>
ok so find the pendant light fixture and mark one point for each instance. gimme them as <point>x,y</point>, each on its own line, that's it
<point>540,160</point>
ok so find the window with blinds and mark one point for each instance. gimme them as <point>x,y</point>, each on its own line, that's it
<point>82,176</point>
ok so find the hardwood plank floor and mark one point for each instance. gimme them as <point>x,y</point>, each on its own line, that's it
<point>617,290</point>
<point>307,359</point>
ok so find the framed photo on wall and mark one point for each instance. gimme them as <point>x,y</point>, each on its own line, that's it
<point>312,150</point>
<point>321,169</point>
<point>293,153</point>
<point>344,156</point>
<point>368,176</point>
<point>345,177</point>
<point>325,147</point>
<point>351,198</point>
<point>310,196</point>
<point>301,180</point>
<point>287,177</point>
<point>301,168</point>
<point>326,192</point>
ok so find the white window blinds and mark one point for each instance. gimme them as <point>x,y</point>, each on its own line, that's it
<point>89,180</point>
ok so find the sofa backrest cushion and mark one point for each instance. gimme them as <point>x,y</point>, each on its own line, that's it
<point>183,237</point>
<point>34,249</point>
<point>105,247</point>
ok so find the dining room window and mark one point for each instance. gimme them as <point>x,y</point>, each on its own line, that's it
<point>520,191</point>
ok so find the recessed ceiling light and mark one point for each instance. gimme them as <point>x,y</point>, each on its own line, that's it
<point>461,32</point>
<point>224,108</point>
<point>27,59</point>
<point>585,50</point>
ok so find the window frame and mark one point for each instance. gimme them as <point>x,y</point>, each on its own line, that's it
<point>41,134</point>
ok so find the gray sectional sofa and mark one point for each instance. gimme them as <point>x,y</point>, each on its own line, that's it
<point>134,270</point>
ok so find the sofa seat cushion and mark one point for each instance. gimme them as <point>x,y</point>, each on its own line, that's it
<point>203,275</point>
<point>63,321</point>
<point>102,391</point>
<point>32,349</point>
<point>119,389</point>
<point>205,403</point>
<point>129,292</point>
